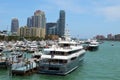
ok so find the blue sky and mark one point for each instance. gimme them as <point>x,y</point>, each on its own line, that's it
<point>85,18</point>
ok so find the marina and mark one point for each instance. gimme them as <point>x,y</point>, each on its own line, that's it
<point>61,57</point>
<point>102,64</point>
<point>59,40</point>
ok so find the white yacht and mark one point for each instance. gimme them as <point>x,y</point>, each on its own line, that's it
<point>32,47</point>
<point>93,45</point>
<point>2,46</point>
<point>61,58</point>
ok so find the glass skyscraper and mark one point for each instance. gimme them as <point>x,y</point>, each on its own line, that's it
<point>37,20</point>
<point>29,22</point>
<point>14,25</point>
<point>61,23</point>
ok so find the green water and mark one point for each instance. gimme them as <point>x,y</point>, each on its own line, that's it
<point>103,64</point>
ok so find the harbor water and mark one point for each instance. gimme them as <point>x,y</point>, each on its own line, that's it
<point>103,64</point>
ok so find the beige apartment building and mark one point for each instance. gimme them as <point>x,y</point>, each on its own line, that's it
<point>31,32</point>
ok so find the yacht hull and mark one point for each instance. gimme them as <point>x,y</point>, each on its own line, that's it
<point>61,69</point>
<point>92,48</point>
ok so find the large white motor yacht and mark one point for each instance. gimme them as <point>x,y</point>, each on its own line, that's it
<point>61,58</point>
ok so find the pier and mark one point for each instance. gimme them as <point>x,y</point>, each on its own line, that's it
<point>24,68</point>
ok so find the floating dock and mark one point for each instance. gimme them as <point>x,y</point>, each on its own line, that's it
<point>23,68</point>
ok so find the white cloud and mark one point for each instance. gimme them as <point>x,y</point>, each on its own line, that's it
<point>108,9</point>
<point>69,5</point>
<point>110,12</point>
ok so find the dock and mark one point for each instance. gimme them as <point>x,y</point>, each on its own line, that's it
<point>24,68</point>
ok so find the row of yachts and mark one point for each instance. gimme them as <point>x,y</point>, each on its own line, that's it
<point>56,57</point>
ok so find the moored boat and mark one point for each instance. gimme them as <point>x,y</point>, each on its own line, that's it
<point>93,45</point>
<point>61,58</point>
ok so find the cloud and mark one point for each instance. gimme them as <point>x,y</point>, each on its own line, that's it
<point>107,9</point>
<point>68,5</point>
<point>110,12</point>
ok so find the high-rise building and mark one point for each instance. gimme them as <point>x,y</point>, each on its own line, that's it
<point>117,37</point>
<point>61,23</point>
<point>51,29</point>
<point>14,25</point>
<point>39,20</point>
<point>99,37</point>
<point>110,36</point>
<point>29,22</point>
